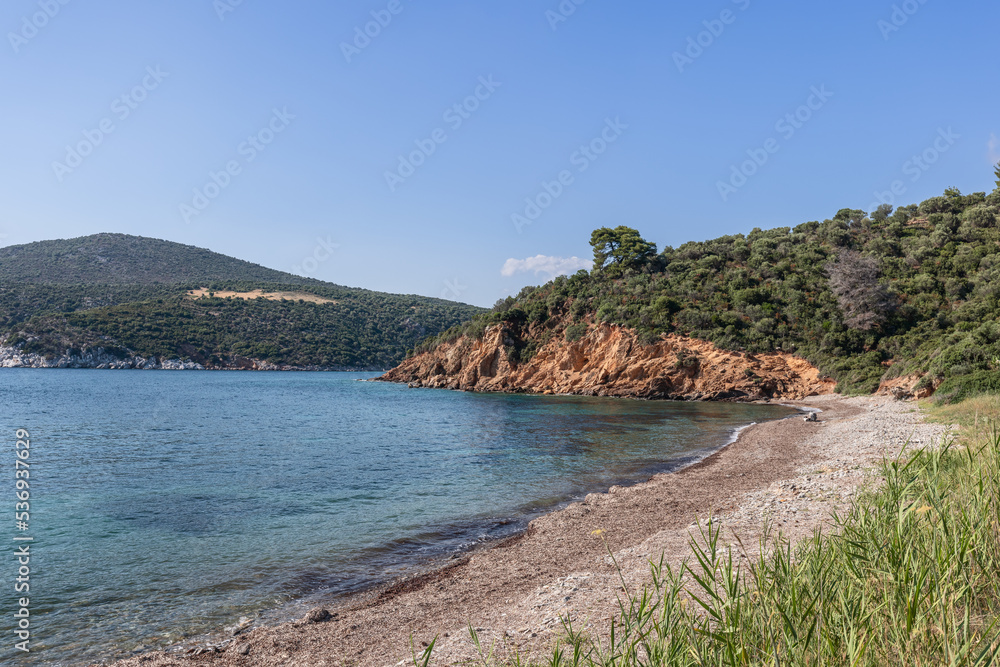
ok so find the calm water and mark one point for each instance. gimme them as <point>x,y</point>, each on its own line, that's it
<point>170,504</point>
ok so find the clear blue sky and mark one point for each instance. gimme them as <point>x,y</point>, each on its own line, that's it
<point>678,126</point>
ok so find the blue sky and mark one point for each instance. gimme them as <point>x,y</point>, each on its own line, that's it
<point>251,129</point>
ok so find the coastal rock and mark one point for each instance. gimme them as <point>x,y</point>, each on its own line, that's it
<point>317,616</point>
<point>909,387</point>
<point>16,357</point>
<point>99,358</point>
<point>611,361</point>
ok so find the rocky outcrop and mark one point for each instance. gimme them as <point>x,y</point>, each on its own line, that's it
<point>909,387</point>
<point>15,357</point>
<point>610,361</point>
<point>99,358</point>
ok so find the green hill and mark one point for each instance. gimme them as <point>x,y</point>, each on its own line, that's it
<point>912,292</point>
<point>130,296</point>
<point>120,259</point>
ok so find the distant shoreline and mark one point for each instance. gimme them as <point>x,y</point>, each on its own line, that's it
<point>11,357</point>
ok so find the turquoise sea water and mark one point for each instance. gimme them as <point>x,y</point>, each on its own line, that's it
<point>170,504</point>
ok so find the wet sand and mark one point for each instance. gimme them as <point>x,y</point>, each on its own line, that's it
<point>790,471</point>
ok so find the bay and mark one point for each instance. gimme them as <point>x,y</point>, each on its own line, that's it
<point>166,505</point>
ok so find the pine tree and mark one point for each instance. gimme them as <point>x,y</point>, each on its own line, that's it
<point>996,171</point>
<point>619,249</point>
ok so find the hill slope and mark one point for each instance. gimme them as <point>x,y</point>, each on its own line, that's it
<point>120,259</point>
<point>907,301</point>
<point>118,301</point>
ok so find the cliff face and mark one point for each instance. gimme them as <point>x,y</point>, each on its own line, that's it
<point>909,387</point>
<point>15,357</point>
<point>610,361</point>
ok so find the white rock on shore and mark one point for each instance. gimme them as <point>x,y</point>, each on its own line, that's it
<point>14,357</point>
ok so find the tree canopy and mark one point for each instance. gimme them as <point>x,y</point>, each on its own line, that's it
<point>620,249</point>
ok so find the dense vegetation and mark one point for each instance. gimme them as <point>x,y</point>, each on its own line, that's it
<point>20,302</point>
<point>864,297</point>
<point>127,260</point>
<point>128,295</point>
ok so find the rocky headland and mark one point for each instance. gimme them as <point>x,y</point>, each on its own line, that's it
<point>610,360</point>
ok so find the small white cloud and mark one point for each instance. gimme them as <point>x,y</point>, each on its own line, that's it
<point>994,147</point>
<point>548,266</point>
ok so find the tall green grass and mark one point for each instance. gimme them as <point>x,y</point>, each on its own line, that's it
<point>910,576</point>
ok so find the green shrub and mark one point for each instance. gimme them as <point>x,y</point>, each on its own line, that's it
<point>575,332</point>
<point>964,386</point>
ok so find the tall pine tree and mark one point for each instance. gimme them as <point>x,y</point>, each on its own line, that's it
<point>996,170</point>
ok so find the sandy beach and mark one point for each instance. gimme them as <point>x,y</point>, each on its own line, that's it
<point>790,472</point>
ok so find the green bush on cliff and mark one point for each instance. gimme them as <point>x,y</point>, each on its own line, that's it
<point>575,332</point>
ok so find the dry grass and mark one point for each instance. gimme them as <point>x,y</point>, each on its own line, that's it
<point>259,294</point>
<point>972,415</point>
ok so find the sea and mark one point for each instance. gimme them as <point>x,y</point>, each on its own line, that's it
<point>165,506</point>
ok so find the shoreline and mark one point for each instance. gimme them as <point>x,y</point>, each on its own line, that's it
<point>13,358</point>
<point>474,536</point>
<point>514,591</point>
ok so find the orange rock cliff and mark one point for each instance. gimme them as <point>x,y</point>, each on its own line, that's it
<point>609,360</point>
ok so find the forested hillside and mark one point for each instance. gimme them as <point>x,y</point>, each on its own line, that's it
<point>866,297</point>
<point>120,259</point>
<point>130,296</point>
